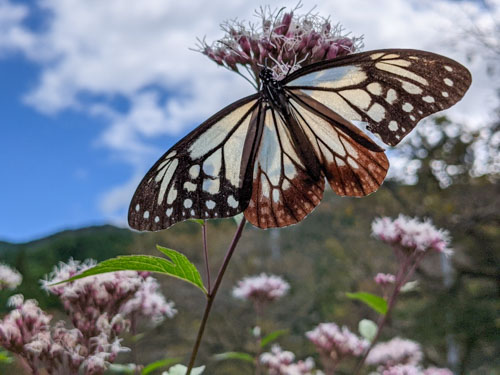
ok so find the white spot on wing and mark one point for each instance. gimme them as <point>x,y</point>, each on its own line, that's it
<point>445,94</point>
<point>357,97</point>
<point>157,219</point>
<point>375,88</point>
<point>428,99</point>
<point>188,203</point>
<point>194,171</point>
<point>410,87</point>
<point>232,202</point>
<point>146,215</point>
<point>166,179</point>
<point>376,112</point>
<point>169,211</point>
<point>137,207</point>
<point>393,126</point>
<point>448,68</point>
<point>172,194</point>
<point>391,97</point>
<point>211,186</point>
<point>210,204</point>
<point>401,72</point>
<point>375,56</point>
<point>276,195</point>
<point>213,164</point>
<point>448,81</point>
<point>189,186</point>
<point>407,107</point>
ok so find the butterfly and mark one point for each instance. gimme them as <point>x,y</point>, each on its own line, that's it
<point>268,155</point>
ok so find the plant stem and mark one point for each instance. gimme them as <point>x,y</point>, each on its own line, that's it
<point>211,294</point>
<point>404,273</point>
<point>205,253</point>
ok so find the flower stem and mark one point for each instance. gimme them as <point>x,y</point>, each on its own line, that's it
<point>211,294</point>
<point>404,273</point>
<point>205,253</point>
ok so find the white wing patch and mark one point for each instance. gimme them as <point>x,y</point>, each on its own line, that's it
<point>201,177</point>
<point>351,168</point>
<point>383,87</point>
<point>283,192</point>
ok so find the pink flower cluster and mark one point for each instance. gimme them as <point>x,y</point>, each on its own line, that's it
<point>261,288</point>
<point>26,331</point>
<point>395,351</point>
<point>280,362</point>
<point>9,277</point>
<point>283,41</point>
<point>335,343</point>
<point>100,307</point>
<point>127,293</point>
<point>414,370</point>
<point>411,234</point>
<point>384,279</point>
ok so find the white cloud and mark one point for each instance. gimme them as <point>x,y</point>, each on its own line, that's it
<point>92,51</point>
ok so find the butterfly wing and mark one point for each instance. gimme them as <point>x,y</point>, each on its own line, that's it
<point>390,90</point>
<point>206,175</point>
<point>353,164</point>
<point>284,189</point>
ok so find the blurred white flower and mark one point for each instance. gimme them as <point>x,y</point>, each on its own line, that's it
<point>437,371</point>
<point>336,342</point>
<point>384,279</point>
<point>261,288</point>
<point>411,234</point>
<point>9,277</point>
<point>402,370</point>
<point>394,352</point>
<point>280,362</point>
<point>148,302</point>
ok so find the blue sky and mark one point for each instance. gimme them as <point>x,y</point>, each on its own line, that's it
<point>93,92</point>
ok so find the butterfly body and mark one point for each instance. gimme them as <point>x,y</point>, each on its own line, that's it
<point>268,155</point>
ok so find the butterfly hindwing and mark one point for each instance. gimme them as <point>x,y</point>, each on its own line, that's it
<point>390,90</point>
<point>283,189</point>
<point>353,164</point>
<point>205,175</point>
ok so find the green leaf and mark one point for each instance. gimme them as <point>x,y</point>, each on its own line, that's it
<point>182,370</point>
<point>375,302</point>
<point>234,355</point>
<point>158,364</point>
<point>272,337</point>
<point>368,329</point>
<point>198,221</point>
<point>177,266</point>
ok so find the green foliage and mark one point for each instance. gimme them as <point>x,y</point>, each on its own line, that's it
<point>273,336</point>
<point>240,356</point>
<point>158,365</point>
<point>375,302</point>
<point>178,266</point>
<point>5,357</point>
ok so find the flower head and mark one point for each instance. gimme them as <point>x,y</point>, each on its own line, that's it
<point>401,370</point>
<point>148,302</point>
<point>384,279</point>
<point>411,234</point>
<point>280,362</point>
<point>261,288</point>
<point>9,277</point>
<point>335,342</point>
<point>437,371</point>
<point>282,41</point>
<point>394,352</point>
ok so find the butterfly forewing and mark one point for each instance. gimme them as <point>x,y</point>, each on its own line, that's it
<point>283,190</point>
<point>352,163</point>
<point>205,175</point>
<point>390,90</point>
